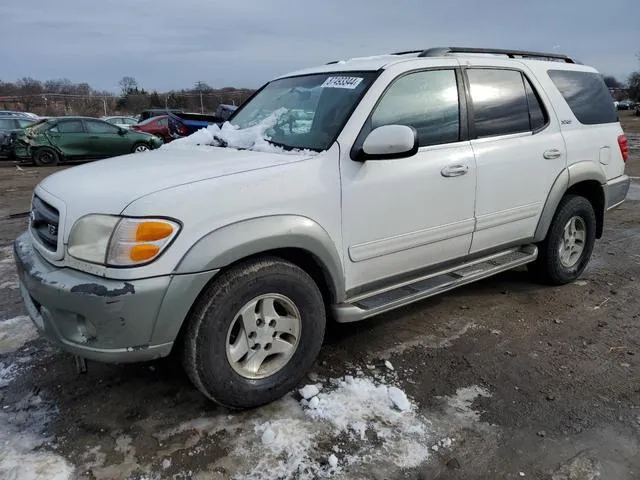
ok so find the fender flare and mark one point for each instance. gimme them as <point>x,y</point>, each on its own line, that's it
<point>226,245</point>
<point>570,176</point>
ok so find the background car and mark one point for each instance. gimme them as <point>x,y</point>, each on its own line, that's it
<point>11,126</point>
<point>79,138</point>
<point>122,122</point>
<point>158,126</point>
<point>13,113</point>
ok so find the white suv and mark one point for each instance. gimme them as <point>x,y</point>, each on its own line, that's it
<point>341,191</point>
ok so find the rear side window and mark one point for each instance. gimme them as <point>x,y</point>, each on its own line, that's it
<point>70,126</point>
<point>587,96</point>
<point>427,101</point>
<point>499,102</point>
<point>6,124</point>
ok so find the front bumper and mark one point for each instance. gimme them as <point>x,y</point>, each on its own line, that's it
<point>102,319</point>
<point>616,191</point>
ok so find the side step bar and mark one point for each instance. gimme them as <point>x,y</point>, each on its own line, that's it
<point>394,296</point>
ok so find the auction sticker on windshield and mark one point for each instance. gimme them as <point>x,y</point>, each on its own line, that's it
<point>341,82</point>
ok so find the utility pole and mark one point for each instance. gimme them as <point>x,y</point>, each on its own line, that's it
<point>104,104</point>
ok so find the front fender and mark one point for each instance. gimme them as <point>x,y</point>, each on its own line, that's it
<point>234,242</point>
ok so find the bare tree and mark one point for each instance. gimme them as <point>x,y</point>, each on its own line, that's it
<point>128,85</point>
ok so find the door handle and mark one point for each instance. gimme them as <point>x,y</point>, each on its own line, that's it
<point>454,170</point>
<point>552,154</point>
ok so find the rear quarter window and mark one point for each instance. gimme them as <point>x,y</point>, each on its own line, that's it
<point>587,96</point>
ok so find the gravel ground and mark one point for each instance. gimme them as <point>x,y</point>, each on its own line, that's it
<point>504,379</point>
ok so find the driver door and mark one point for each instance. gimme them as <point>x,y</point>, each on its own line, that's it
<point>401,215</point>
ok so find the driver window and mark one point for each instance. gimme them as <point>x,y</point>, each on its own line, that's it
<point>427,101</point>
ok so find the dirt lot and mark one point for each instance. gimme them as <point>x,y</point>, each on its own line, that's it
<point>507,379</point>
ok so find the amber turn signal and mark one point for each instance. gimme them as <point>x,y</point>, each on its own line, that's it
<point>142,252</point>
<point>152,231</point>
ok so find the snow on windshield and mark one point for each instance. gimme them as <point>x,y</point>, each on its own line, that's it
<point>253,138</point>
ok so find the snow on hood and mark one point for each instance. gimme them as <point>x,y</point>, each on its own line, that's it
<point>108,186</point>
<point>253,138</point>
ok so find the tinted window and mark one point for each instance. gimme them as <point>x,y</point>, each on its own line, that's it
<point>70,126</point>
<point>499,102</point>
<point>129,121</point>
<point>427,101</point>
<point>537,114</point>
<point>587,96</point>
<point>6,124</point>
<point>163,122</point>
<point>93,126</point>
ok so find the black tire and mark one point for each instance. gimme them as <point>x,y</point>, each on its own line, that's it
<point>136,146</point>
<point>46,157</point>
<point>204,342</point>
<point>548,267</point>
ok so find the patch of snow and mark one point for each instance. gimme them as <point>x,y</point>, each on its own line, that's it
<point>333,460</point>
<point>16,332</point>
<point>460,404</point>
<point>309,391</point>
<point>166,463</point>
<point>7,373</point>
<point>22,436</point>
<point>251,138</point>
<point>314,402</point>
<point>8,273</point>
<point>399,399</point>
<point>387,364</point>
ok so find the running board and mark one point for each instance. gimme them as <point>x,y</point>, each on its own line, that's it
<point>394,296</point>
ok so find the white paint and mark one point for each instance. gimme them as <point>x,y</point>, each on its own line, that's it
<point>15,333</point>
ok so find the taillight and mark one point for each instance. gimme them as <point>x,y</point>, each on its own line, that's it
<point>183,130</point>
<point>623,143</point>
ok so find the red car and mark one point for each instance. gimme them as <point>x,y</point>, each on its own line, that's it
<point>158,126</point>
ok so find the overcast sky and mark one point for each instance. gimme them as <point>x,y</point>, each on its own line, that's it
<point>170,44</point>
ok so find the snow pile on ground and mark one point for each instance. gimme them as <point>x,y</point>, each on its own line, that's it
<point>251,138</point>
<point>15,332</point>
<point>22,437</point>
<point>375,413</point>
<point>8,274</point>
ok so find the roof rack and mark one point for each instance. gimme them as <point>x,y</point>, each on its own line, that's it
<point>441,51</point>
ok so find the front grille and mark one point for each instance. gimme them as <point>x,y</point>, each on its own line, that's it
<point>44,223</point>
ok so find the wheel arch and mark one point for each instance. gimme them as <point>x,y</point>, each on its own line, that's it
<point>583,178</point>
<point>297,239</point>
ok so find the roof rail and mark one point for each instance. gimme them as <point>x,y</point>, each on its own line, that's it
<point>441,51</point>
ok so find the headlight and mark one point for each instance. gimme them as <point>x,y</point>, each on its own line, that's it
<point>120,241</point>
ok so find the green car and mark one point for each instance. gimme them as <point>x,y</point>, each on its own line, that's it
<point>52,140</point>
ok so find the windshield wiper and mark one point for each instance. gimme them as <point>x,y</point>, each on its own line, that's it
<point>221,141</point>
<point>289,148</point>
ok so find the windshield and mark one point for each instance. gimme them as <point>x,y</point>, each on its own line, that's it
<point>306,112</point>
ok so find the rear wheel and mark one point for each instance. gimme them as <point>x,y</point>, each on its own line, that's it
<point>140,147</point>
<point>46,156</point>
<point>565,253</point>
<point>254,333</point>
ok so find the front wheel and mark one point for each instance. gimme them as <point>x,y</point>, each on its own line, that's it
<point>140,147</point>
<point>565,253</point>
<point>254,333</point>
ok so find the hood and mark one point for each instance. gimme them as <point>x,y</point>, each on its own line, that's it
<point>108,186</point>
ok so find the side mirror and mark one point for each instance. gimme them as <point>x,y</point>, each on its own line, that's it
<point>121,131</point>
<point>389,142</point>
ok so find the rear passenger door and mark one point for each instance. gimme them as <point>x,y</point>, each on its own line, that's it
<point>70,138</point>
<point>519,151</point>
